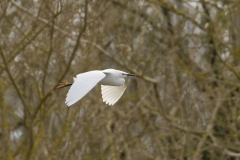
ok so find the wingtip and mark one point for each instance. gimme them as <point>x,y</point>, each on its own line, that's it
<point>108,102</point>
<point>68,104</point>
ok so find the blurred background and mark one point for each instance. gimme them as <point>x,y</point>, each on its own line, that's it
<point>184,105</point>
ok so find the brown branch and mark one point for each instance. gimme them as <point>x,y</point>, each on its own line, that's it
<point>102,50</point>
<point>48,56</point>
<point>81,30</point>
<point>209,129</point>
<point>14,54</point>
<point>171,8</point>
<point>26,109</point>
<point>4,11</point>
<point>5,133</point>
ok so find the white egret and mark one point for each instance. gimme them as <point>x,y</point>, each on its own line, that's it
<point>112,85</point>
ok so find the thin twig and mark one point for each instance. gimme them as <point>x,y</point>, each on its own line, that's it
<point>69,62</point>
<point>26,110</point>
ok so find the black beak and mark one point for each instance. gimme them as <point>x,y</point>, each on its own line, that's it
<point>131,75</point>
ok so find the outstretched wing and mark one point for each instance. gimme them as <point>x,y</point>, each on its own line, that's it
<point>111,94</point>
<point>82,85</point>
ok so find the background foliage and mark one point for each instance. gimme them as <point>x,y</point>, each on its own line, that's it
<point>185,105</point>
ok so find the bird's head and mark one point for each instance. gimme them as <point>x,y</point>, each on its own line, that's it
<point>118,73</point>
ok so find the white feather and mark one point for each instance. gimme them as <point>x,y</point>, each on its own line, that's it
<point>74,79</point>
<point>111,94</point>
<point>82,85</point>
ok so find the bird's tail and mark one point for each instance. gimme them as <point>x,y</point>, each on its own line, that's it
<point>63,84</point>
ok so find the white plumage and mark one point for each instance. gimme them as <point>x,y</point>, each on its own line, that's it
<point>111,94</point>
<point>82,85</point>
<point>112,85</point>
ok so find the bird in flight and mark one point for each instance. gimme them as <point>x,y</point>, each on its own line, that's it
<point>112,85</point>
